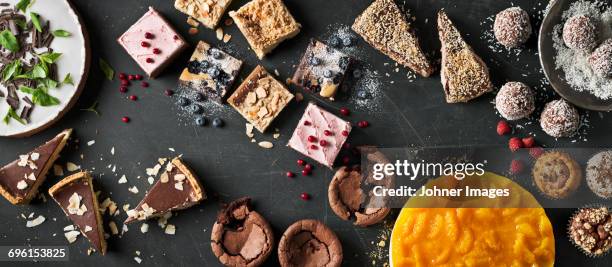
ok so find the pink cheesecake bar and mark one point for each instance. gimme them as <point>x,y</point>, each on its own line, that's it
<point>152,42</point>
<point>320,135</point>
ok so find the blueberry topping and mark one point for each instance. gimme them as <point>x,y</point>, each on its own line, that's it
<point>193,67</point>
<point>200,121</point>
<point>216,54</point>
<point>357,73</point>
<point>327,73</point>
<point>204,64</point>
<point>217,122</point>
<point>198,97</point>
<point>335,41</point>
<point>314,61</point>
<point>183,101</point>
<point>196,109</point>
<point>347,41</point>
<point>213,72</point>
<point>362,94</point>
<point>343,63</point>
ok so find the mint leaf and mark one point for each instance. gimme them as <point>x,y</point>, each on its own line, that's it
<point>39,71</point>
<point>93,108</point>
<point>11,114</point>
<point>47,83</point>
<point>40,96</point>
<point>23,5</point>
<point>68,79</point>
<point>12,69</point>
<point>35,21</point>
<point>61,33</point>
<point>49,57</point>
<point>21,23</point>
<point>108,71</point>
<point>8,41</point>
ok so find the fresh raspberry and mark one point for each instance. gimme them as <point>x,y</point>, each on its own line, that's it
<point>516,166</point>
<point>503,128</point>
<point>528,142</point>
<point>515,144</point>
<point>536,152</point>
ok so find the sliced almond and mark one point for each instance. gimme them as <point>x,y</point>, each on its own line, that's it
<point>265,144</point>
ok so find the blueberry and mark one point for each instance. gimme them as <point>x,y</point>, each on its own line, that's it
<point>183,101</point>
<point>216,54</point>
<point>193,67</point>
<point>198,97</point>
<point>343,63</point>
<point>362,94</point>
<point>196,109</point>
<point>213,72</point>
<point>205,64</point>
<point>327,73</point>
<point>357,74</point>
<point>314,61</point>
<point>217,122</point>
<point>335,41</point>
<point>347,41</point>
<point>200,121</point>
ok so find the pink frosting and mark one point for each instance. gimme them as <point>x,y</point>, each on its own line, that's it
<point>314,122</point>
<point>164,38</point>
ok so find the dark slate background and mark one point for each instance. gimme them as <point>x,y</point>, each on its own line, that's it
<point>413,113</point>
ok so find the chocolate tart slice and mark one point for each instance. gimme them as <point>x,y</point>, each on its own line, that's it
<point>20,179</point>
<point>309,243</point>
<point>76,196</point>
<point>241,236</point>
<point>177,188</point>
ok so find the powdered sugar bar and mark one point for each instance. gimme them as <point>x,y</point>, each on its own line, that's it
<point>152,42</point>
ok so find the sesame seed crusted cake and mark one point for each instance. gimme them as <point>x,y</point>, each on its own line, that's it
<point>464,75</point>
<point>384,27</point>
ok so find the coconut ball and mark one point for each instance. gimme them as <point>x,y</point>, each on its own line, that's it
<point>515,101</point>
<point>560,119</point>
<point>580,33</point>
<point>512,27</point>
<point>601,59</point>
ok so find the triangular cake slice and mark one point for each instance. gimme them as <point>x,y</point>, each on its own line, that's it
<point>464,75</point>
<point>177,188</point>
<point>76,196</point>
<point>20,179</point>
<point>385,27</point>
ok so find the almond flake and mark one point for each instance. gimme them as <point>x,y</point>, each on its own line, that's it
<point>138,259</point>
<point>23,160</point>
<point>226,38</point>
<point>276,135</point>
<point>144,228</point>
<point>58,170</point>
<point>219,33</point>
<point>32,177</point>
<point>35,156</point>
<point>179,177</point>
<point>22,185</point>
<point>69,228</point>
<point>179,186</point>
<point>87,228</point>
<point>170,229</point>
<point>112,151</point>
<point>36,222</point>
<point>266,144</point>
<point>123,179</point>
<point>72,167</point>
<point>150,180</point>
<point>72,236</point>
<point>91,143</point>
<point>249,130</point>
<point>133,189</point>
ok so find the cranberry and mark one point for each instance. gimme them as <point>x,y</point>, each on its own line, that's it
<point>327,133</point>
<point>144,44</point>
<point>312,138</point>
<point>149,35</point>
<point>363,124</point>
<point>125,82</point>
<point>123,89</point>
<point>307,123</point>
<point>308,167</point>
<point>301,162</point>
<point>346,160</point>
<point>345,133</point>
<point>345,111</point>
<point>149,60</point>
<point>133,98</point>
<point>156,51</point>
<point>144,84</point>
<point>305,172</point>
<point>305,196</point>
<point>290,174</point>
<point>175,37</point>
<point>138,77</point>
<point>314,147</point>
<point>323,143</point>
<point>122,76</point>
<point>125,119</point>
<point>169,92</point>
<point>131,77</point>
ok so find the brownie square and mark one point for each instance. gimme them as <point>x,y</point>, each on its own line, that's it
<point>322,69</point>
<point>265,24</point>
<point>152,42</point>
<point>207,12</point>
<point>320,135</point>
<point>210,71</point>
<point>260,98</point>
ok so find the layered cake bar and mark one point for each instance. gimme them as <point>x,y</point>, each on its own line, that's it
<point>210,71</point>
<point>152,42</point>
<point>260,98</point>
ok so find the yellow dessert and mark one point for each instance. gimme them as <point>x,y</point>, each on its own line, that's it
<point>473,236</point>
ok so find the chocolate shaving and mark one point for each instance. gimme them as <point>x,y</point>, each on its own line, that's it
<point>13,98</point>
<point>25,113</point>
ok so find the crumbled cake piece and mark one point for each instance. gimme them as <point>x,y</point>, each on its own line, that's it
<point>320,135</point>
<point>260,98</point>
<point>152,42</point>
<point>210,71</point>
<point>322,69</point>
<point>207,12</point>
<point>384,27</point>
<point>265,24</point>
<point>464,75</point>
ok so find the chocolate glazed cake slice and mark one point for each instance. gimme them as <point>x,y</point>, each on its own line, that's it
<point>241,236</point>
<point>177,188</point>
<point>20,179</point>
<point>76,196</point>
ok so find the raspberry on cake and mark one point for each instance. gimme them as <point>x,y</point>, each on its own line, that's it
<point>210,71</point>
<point>260,98</point>
<point>320,135</point>
<point>322,69</point>
<point>152,32</point>
<point>207,12</point>
<point>265,24</point>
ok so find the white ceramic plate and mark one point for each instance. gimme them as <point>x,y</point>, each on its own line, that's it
<point>74,60</point>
